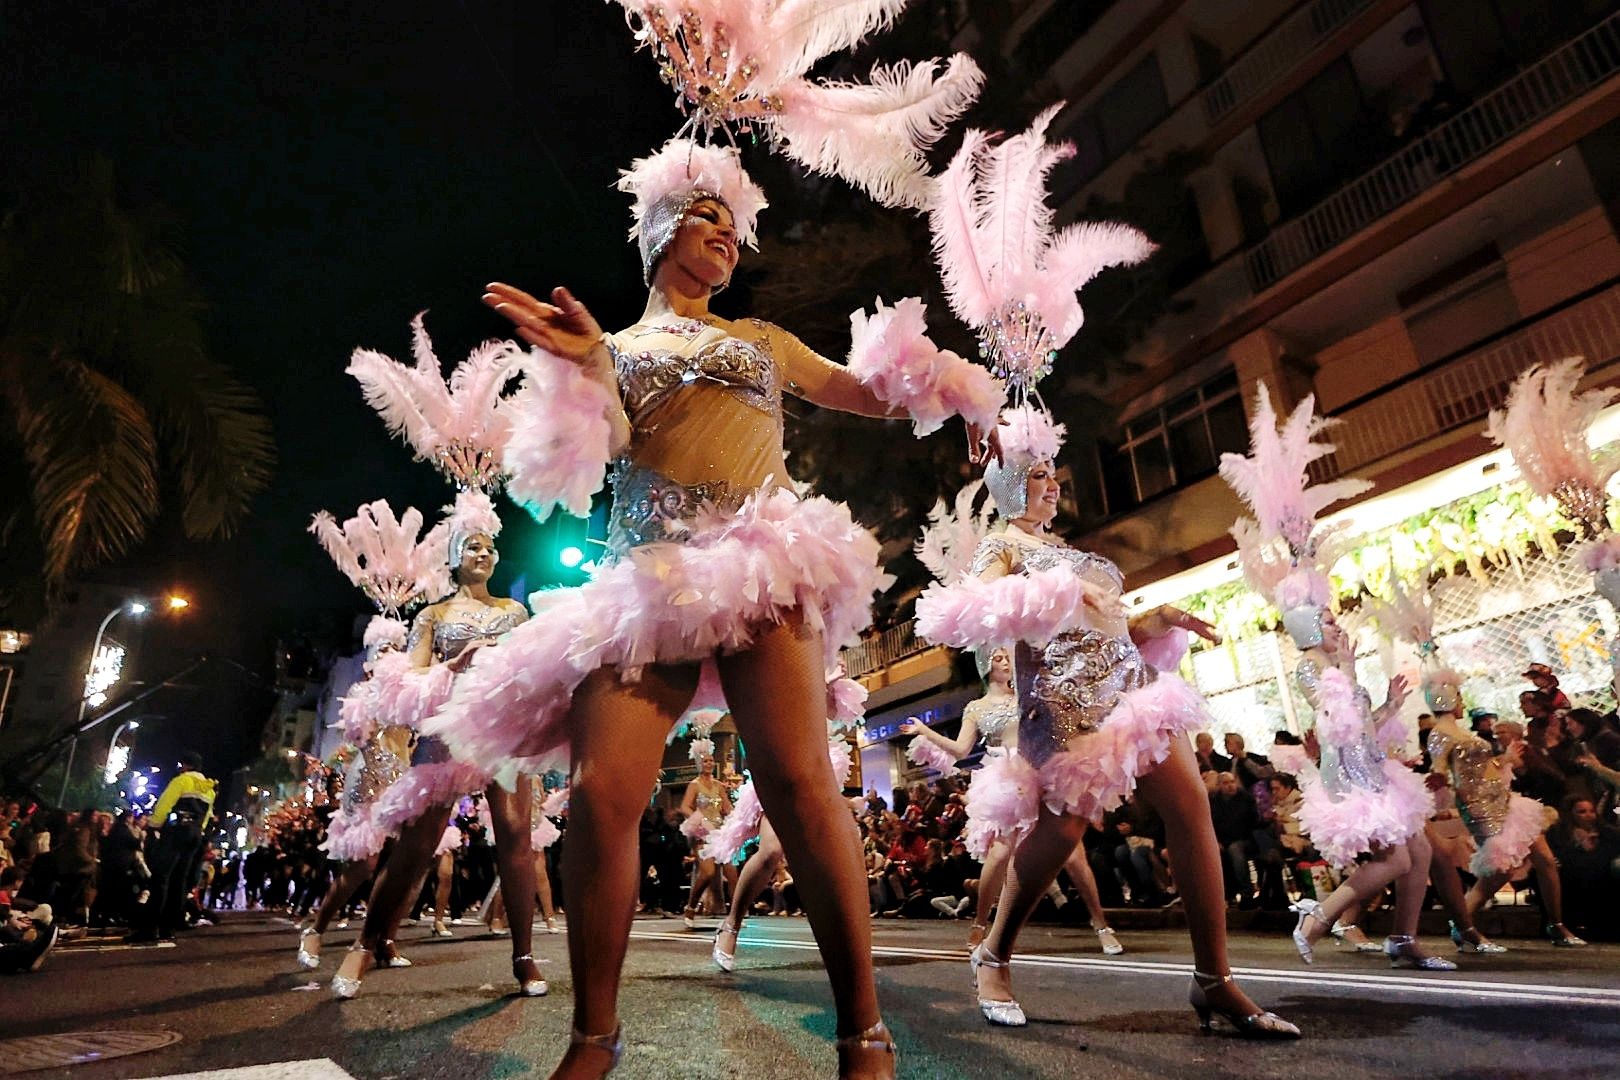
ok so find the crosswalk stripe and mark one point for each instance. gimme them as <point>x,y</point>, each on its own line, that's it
<point>309,1069</point>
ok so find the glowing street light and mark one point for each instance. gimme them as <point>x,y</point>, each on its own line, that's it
<point>570,556</point>
<point>178,603</point>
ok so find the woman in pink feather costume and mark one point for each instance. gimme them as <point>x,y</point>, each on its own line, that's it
<point>1361,807</point>
<point>1508,829</point>
<point>1096,723</point>
<point>353,838</point>
<point>990,837</point>
<point>419,805</point>
<point>712,556</point>
<point>703,808</point>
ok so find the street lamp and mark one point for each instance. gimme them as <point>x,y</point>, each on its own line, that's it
<point>102,673</point>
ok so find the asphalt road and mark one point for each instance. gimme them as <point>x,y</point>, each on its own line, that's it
<point>234,997</point>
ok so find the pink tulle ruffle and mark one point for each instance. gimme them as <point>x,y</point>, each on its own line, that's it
<point>561,439</point>
<point>930,755</point>
<point>1508,849</point>
<point>891,355</point>
<point>1348,826</point>
<point>972,613</point>
<point>838,753</point>
<point>775,557</point>
<point>725,843</point>
<point>406,695</point>
<point>1003,800</point>
<point>695,828</point>
<point>846,700</point>
<point>1339,717</point>
<point>353,836</point>
<point>357,712</point>
<point>1099,770</point>
<point>450,841</point>
<point>420,787</point>
<point>544,834</point>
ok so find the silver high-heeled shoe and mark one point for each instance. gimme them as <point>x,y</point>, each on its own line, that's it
<point>343,987</point>
<point>1001,1013</point>
<point>528,987</point>
<point>390,958</point>
<point>613,1043</point>
<point>1480,944</point>
<point>1308,909</point>
<point>1257,1025</point>
<point>306,959</point>
<point>1110,943</point>
<point>1341,931</point>
<point>1402,950</point>
<point>725,961</point>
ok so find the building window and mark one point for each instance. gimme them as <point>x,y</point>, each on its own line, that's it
<point>1174,445</point>
<point>1314,141</point>
<point>1050,36</point>
<point>1116,121</point>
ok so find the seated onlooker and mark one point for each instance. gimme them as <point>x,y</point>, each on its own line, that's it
<point>28,931</point>
<point>1236,819</point>
<point>1588,854</point>
<point>1540,774</point>
<point>1138,840</point>
<point>1250,769</point>
<point>1546,683</point>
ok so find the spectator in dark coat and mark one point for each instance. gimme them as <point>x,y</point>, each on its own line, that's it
<point>1236,820</point>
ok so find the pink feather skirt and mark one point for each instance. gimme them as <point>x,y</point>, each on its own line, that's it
<point>1348,825</point>
<point>775,558</point>
<point>1510,847</point>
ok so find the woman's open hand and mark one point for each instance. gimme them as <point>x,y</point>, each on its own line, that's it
<point>563,327</point>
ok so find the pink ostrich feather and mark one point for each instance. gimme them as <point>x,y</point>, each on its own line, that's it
<point>725,842</point>
<point>994,241</point>
<point>682,165</point>
<point>875,134</point>
<point>891,354</point>
<point>1505,852</point>
<point>952,535</point>
<point>1034,607</point>
<point>842,760</point>
<point>846,701</point>
<point>1273,478</point>
<point>388,557</point>
<point>454,424</point>
<point>1340,720</point>
<point>1030,432</point>
<point>382,630</point>
<point>1408,614</point>
<point>561,437</point>
<point>930,755</point>
<point>1546,426</point>
<point>472,513</point>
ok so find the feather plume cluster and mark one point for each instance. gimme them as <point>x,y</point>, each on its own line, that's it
<point>952,535</point>
<point>700,749</point>
<point>1029,432</point>
<point>891,354</point>
<point>681,166</point>
<point>472,513</point>
<point>1407,614</point>
<point>1546,426</point>
<point>382,630</point>
<point>1007,274</point>
<point>455,425</point>
<point>388,557</point>
<point>739,65</point>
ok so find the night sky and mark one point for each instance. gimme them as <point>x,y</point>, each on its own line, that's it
<point>336,168</point>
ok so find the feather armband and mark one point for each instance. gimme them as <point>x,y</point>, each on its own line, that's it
<point>891,355</point>
<point>561,438</point>
<point>1034,607</point>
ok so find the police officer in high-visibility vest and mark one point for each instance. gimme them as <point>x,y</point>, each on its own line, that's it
<point>173,850</point>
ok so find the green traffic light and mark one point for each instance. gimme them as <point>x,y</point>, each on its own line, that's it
<point>570,556</point>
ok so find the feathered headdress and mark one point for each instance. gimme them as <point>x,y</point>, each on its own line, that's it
<point>455,425</point>
<point>738,65</point>
<point>953,534</point>
<point>382,554</point>
<point>1408,615</point>
<point>1006,273</point>
<point>1546,426</point>
<point>1282,549</point>
<point>384,631</point>
<point>666,182</point>
<point>700,749</point>
<point>1028,435</point>
<point>472,513</point>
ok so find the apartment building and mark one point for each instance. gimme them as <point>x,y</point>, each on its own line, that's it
<point>1395,206</point>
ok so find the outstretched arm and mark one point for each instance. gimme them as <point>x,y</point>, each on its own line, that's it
<point>819,381</point>
<point>958,747</point>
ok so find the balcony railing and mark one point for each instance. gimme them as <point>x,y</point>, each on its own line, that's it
<point>1505,112</point>
<point>1466,388</point>
<point>877,651</point>
<point>1276,54</point>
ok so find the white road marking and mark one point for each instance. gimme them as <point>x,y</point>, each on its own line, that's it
<point>1428,985</point>
<point>310,1069</point>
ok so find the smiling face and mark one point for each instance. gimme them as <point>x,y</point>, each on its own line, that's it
<point>1041,493</point>
<point>478,559</point>
<point>1001,667</point>
<point>705,246</point>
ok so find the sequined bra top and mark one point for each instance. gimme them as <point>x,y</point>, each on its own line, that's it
<point>1480,783</point>
<point>744,369</point>
<point>996,719</point>
<point>1358,764</point>
<point>1070,685</point>
<point>708,805</point>
<point>452,636</point>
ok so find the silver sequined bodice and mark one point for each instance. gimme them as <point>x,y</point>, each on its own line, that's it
<point>708,805</point>
<point>1480,784</point>
<point>744,369</point>
<point>996,719</point>
<point>1357,764</point>
<point>371,772</point>
<point>452,636</point>
<point>1068,686</point>
<point>649,507</point>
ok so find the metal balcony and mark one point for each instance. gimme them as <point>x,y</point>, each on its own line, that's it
<point>878,650</point>
<point>1465,388</point>
<point>1512,108</point>
<point>1276,54</point>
